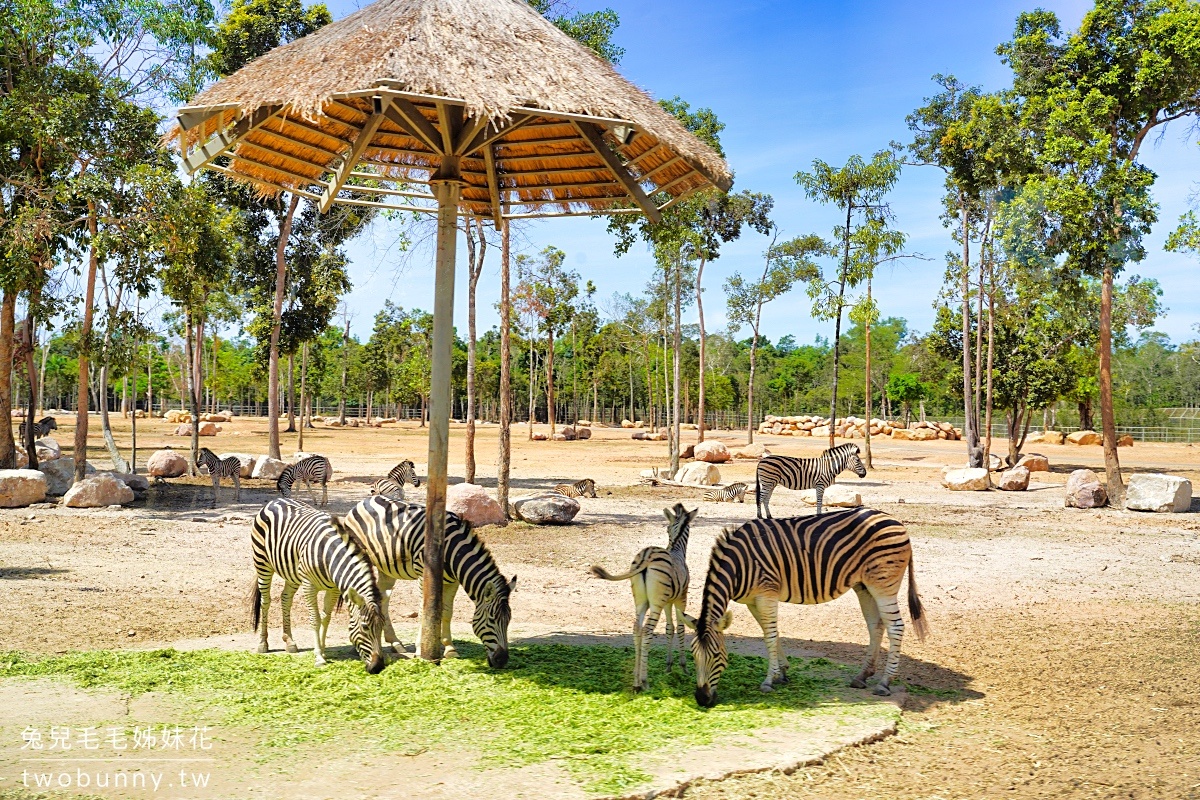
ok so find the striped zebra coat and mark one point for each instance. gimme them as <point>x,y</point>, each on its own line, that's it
<point>388,488</point>
<point>314,469</point>
<point>727,494</point>
<point>40,428</point>
<point>404,472</point>
<point>804,473</point>
<point>659,579</point>
<point>583,488</point>
<point>806,560</point>
<point>307,550</point>
<point>392,535</point>
<point>221,468</point>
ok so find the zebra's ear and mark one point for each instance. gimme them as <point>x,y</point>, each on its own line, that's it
<point>689,621</point>
<point>667,513</point>
<point>512,585</point>
<point>726,620</point>
<point>691,515</point>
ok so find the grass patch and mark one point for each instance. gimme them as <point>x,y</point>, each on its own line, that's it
<point>553,702</point>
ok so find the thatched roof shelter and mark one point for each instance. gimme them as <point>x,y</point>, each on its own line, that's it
<point>365,110</point>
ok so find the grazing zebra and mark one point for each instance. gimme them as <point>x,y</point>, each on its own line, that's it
<point>583,488</point>
<point>314,469</point>
<point>806,560</point>
<point>228,468</point>
<point>309,553</point>
<point>40,428</point>
<point>804,473</point>
<point>727,494</point>
<point>403,473</point>
<point>388,488</point>
<point>659,578</point>
<point>392,534</point>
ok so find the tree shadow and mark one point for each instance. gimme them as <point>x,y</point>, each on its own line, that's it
<point>25,573</point>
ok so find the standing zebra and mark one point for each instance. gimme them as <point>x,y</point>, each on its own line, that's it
<point>727,494</point>
<point>314,469</point>
<point>806,560</point>
<point>583,488</point>
<point>804,473</point>
<point>40,428</point>
<point>403,473</point>
<point>307,550</point>
<point>659,578</point>
<point>221,468</point>
<point>392,535</point>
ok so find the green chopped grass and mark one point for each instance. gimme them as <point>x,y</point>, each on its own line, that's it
<point>553,702</point>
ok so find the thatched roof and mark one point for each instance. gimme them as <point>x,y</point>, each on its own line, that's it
<point>533,112</point>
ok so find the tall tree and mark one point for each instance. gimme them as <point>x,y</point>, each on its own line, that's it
<point>476,252</point>
<point>546,291</point>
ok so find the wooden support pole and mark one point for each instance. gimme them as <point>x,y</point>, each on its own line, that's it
<point>504,462</point>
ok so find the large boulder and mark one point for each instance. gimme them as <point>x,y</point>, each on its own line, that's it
<point>699,473</point>
<point>539,437</point>
<point>1125,441</point>
<point>583,433</point>
<point>21,487</point>
<point>267,468</point>
<point>166,464</point>
<point>1015,479</point>
<point>47,449</point>
<point>474,504</point>
<point>1034,462</point>
<point>625,423</point>
<point>995,462</point>
<point>751,451</point>
<point>965,480</point>
<point>1046,437</point>
<point>546,509</point>
<point>903,434</point>
<point>1084,437</point>
<point>1084,490</point>
<point>245,459</point>
<point>926,434</point>
<point>711,451</point>
<point>99,491</point>
<point>138,483</point>
<point>60,474</point>
<point>821,432</point>
<point>1166,494</point>
<point>209,428</point>
<point>836,495</point>
<point>183,429</point>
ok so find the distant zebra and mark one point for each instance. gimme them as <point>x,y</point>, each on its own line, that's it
<point>403,473</point>
<point>388,488</point>
<point>727,494</point>
<point>314,469</point>
<point>309,553</point>
<point>806,560</point>
<point>228,468</point>
<point>583,488</point>
<point>40,428</point>
<point>392,534</point>
<point>659,578</point>
<point>804,473</point>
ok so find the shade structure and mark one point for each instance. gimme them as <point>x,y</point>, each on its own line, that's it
<point>451,107</point>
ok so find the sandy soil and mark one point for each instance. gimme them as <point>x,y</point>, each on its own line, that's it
<point>1062,661</point>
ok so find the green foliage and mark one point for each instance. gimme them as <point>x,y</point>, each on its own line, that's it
<point>253,27</point>
<point>593,29</point>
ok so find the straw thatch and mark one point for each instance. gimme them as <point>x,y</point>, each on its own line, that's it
<point>483,61</point>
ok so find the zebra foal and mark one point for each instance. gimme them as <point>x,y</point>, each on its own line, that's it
<point>659,578</point>
<point>404,472</point>
<point>803,473</point>
<point>727,494</point>
<point>583,488</point>
<point>314,469</point>
<point>806,560</point>
<point>40,428</point>
<point>308,551</point>
<point>221,468</point>
<point>392,536</point>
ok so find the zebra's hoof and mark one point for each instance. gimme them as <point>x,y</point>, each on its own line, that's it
<point>780,679</point>
<point>882,691</point>
<point>766,687</point>
<point>291,647</point>
<point>262,648</point>
<point>638,688</point>
<point>858,683</point>
<point>449,652</point>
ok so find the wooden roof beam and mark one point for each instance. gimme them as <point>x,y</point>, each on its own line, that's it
<point>594,137</point>
<point>221,141</point>
<point>489,159</point>
<point>484,139</point>
<point>342,173</point>
<point>409,118</point>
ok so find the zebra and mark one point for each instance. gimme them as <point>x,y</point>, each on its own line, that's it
<point>403,473</point>
<point>388,488</point>
<point>40,428</point>
<point>803,473</point>
<point>659,578</point>
<point>314,469</point>
<point>307,550</point>
<point>583,488</point>
<point>727,494</point>
<point>806,560</point>
<point>392,535</point>
<point>221,468</point>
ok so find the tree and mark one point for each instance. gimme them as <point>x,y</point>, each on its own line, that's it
<point>546,291</point>
<point>906,388</point>
<point>476,252</point>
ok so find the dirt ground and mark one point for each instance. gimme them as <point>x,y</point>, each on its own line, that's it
<point>1062,662</point>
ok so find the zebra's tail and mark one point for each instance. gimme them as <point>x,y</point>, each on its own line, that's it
<point>255,605</point>
<point>636,568</point>
<point>915,609</point>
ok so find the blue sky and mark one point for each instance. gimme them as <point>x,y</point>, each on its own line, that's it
<point>796,81</point>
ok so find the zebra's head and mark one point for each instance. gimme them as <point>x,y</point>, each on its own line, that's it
<point>708,651</point>
<point>285,481</point>
<point>679,520</point>
<point>50,423</point>
<point>366,633</point>
<point>405,472</point>
<point>492,615</point>
<point>851,460</point>
<point>589,488</point>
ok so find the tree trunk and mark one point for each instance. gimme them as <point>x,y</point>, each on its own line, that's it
<point>1108,422</point>
<point>970,430</point>
<point>504,462</point>
<point>41,400</point>
<point>750,388</point>
<point>532,378</point>
<point>192,391</point>
<point>85,335</point>
<point>285,231</point>
<point>291,394</point>
<point>677,346</point>
<point>303,393</point>
<point>474,270</point>
<point>703,353</point>
<point>837,328</point>
<point>8,314</point>
<point>550,378</point>
<point>345,364</point>
<point>991,350</point>
<point>867,372</point>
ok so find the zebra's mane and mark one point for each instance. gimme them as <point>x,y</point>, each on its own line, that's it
<point>709,615</point>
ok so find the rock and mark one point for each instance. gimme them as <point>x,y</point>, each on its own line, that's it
<point>925,434</point>
<point>138,483</point>
<point>183,429</point>
<point>47,449</point>
<point>539,437</point>
<point>712,451</point>
<point>1166,494</point>
<point>583,423</point>
<point>1084,490</point>
<point>1125,441</point>
<point>689,451</point>
<point>821,432</point>
<point>267,468</point>
<point>995,462</point>
<point>166,464</point>
<point>965,480</point>
<point>560,437</point>
<point>568,433</point>
<point>1084,437</point>
<point>1034,462</point>
<point>21,487</point>
<point>627,424</point>
<point>699,473</point>
<point>99,491</point>
<point>246,460</point>
<point>1015,479</point>
<point>474,504</point>
<point>751,451</point>
<point>333,423</point>
<point>583,433</point>
<point>1046,437</point>
<point>209,428</point>
<point>903,434</point>
<point>836,496</point>
<point>60,474</point>
<point>639,436</point>
<point>546,509</point>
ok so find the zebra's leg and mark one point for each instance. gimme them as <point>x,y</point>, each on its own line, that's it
<point>264,607</point>
<point>386,582</point>
<point>285,602</point>
<point>764,501</point>
<point>639,619</point>
<point>324,492</point>
<point>889,609</point>
<point>310,597</point>
<point>765,609</point>
<point>331,599</point>
<point>870,611</point>
<point>820,496</point>
<point>448,592</point>
<point>216,487</point>
<point>647,638</point>
<point>679,626</point>
<point>237,487</point>
<point>670,638</point>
